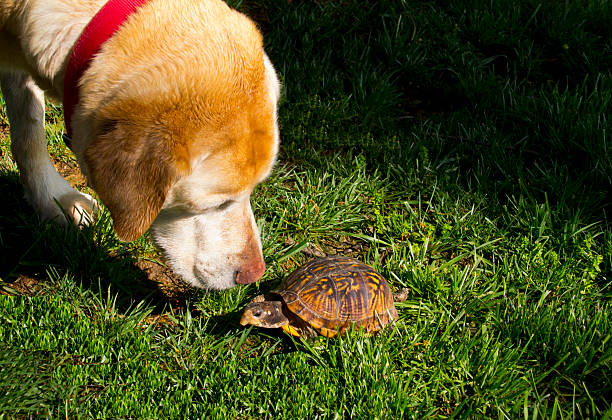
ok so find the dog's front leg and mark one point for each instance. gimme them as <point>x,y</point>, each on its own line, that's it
<point>49,193</point>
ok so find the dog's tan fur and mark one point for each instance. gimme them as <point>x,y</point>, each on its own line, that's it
<point>175,126</point>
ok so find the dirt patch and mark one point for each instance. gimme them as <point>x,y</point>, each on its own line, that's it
<point>71,173</point>
<point>23,285</point>
<point>343,245</point>
<point>155,280</point>
<point>69,170</point>
<point>350,247</point>
<point>169,284</point>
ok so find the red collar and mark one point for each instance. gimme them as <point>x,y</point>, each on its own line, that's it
<point>103,25</point>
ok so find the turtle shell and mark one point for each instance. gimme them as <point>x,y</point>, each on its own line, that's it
<point>333,293</point>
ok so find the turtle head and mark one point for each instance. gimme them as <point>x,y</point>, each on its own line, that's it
<point>268,314</point>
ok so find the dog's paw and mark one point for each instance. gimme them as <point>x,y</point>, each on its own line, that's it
<point>74,207</point>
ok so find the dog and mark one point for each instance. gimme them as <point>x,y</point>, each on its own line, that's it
<point>174,125</point>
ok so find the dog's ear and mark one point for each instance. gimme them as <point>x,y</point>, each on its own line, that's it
<point>131,168</point>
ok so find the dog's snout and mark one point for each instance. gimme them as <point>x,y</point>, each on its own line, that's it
<point>250,272</point>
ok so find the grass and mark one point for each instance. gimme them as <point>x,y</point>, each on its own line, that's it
<point>461,148</point>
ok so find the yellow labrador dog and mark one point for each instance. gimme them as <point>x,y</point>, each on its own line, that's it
<point>174,125</point>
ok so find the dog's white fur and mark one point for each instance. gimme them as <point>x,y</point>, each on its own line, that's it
<point>205,226</point>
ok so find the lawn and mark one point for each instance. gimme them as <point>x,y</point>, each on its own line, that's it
<point>461,148</point>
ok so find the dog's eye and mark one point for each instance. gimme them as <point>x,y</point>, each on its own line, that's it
<point>225,204</point>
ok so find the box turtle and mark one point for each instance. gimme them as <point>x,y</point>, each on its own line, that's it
<point>325,296</point>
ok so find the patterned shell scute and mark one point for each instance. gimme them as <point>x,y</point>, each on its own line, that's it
<point>332,293</point>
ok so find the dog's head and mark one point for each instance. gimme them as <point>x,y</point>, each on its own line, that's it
<point>175,130</point>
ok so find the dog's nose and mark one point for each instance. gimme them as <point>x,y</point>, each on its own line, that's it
<point>251,271</point>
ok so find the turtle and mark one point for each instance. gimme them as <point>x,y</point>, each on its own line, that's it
<point>326,296</point>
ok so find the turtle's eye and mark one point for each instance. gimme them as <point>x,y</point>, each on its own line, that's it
<point>257,313</point>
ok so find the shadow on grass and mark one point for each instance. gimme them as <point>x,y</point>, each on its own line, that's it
<point>34,257</point>
<point>479,96</point>
<point>32,253</point>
